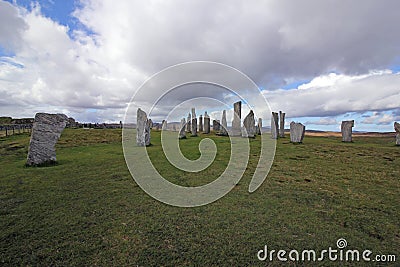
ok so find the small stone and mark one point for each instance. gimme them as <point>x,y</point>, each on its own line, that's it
<point>46,131</point>
<point>297,131</point>
<point>346,128</point>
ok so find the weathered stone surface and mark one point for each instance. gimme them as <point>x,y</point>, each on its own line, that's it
<point>274,125</point>
<point>71,123</point>
<point>397,129</point>
<point>347,130</point>
<point>281,124</point>
<point>206,123</point>
<point>297,131</point>
<point>248,125</point>
<point>164,125</point>
<point>200,123</point>
<point>189,124</point>
<point>224,127</point>
<point>194,123</point>
<point>142,128</point>
<point>182,132</point>
<point>259,126</point>
<point>151,124</point>
<point>236,122</point>
<point>216,124</point>
<point>46,131</point>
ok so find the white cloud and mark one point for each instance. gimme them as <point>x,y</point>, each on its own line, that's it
<point>323,121</point>
<point>380,119</point>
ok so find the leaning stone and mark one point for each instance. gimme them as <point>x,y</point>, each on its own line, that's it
<point>274,125</point>
<point>224,127</point>
<point>200,123</point>
<point>206,123</point>
<point>182,132</point>
<point>142,128</point>
<point>46,131</point>
<point>236,122</point>
<point>248,125</point>
<point>347,127</point>
<point>397,129</point>
<point>297,131</point>
<point>282,124</point>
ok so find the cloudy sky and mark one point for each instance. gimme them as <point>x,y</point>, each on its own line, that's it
<point>319,61</point>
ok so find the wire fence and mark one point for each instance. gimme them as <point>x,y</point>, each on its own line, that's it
<point>11,129</point>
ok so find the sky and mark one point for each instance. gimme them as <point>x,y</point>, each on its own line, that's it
<point>321,62</point>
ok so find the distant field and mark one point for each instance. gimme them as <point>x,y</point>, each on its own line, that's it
<point>87,210</point>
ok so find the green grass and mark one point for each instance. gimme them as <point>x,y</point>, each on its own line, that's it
<point>87,210</point>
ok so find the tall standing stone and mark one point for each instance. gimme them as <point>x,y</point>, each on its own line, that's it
<point>248,125</point>
<point>282,124</point>
<point>224,127</point>
<point>46,131</point>
<point>206,123</point>
<point>194,123</point>
<point>188,124</point>
<point>200,123</point>
<point>274,125</point>
<point>259,126</point>
<point>297,131</point>
<point>151,124</point>
<point>182,132</point>
<point>216,124</point>
<point>142,128</point>
<point>397,129</point>
<point>164,125</point>
<point>236,122</point>
<point>347,130</point>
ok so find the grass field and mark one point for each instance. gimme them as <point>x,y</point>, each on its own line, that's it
<point>87,210</point>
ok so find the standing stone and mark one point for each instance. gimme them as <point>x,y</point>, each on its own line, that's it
<point>224,127</point>
<point>164,125</point>
<point>151,124</point>
<point>274,125</point>
<point>297,131</point>
<point>259,126</point>
<point>188,125</point>
<point>200,123</point>
<point>206,123</point>
<point>46,131</point>
<point>236,122</point>
<point>216,125</point>
<point>194,123</point>
<point>397,129</point>
<point>248,125</point>
<point>142,129</point>
<point>282,124</point>
<point>347,127</point>
<point>182,132</point>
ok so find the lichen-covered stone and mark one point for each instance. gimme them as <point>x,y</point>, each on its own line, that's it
<point>274,125</point>
<point>142,128</point>
<point>46,131</point>
<point>281,124</point>
<point>248,125</point>
<point>206,123</point>
<point>182,132</point>
<point>224,127</point>
<point>194,123</point>
<point>201,123</point>
<point>297,131</point>
<point>347,130</point>
<point>236,122</point>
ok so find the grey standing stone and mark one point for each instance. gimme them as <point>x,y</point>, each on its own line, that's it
<point>259,126</point>
<point>188,125</point>
<point>347,130</point>
<point>164,125</point>
<point>216,124</point>
<point>397,129</point>
<point>297,131</point>
<point>274,125</point>
<point>200,123</point>
<point>46,131</point>
<point>236,122</point>
<point>224,127</point>
<point>282,124</point>
<point>151,124</point>
<point>206,123</point>
<point>142,128</point>
<point>194,123</point>
<point>182,132</point>
<point>248,125</point>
